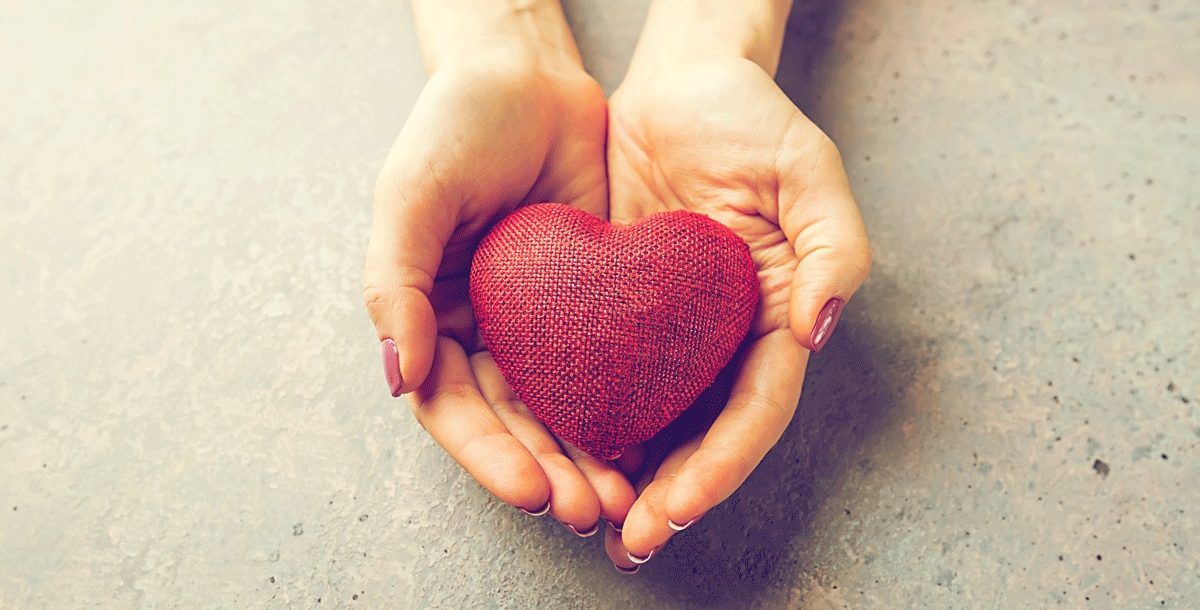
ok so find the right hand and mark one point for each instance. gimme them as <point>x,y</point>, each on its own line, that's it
<point>484,139</point>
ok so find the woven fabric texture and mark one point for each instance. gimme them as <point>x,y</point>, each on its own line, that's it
<point>608,333</point>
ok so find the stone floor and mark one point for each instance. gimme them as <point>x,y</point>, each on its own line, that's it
<point>192,415</point>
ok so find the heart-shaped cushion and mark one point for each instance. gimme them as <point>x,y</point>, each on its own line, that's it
<point>606,332</point>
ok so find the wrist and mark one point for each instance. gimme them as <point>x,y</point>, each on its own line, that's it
<point>519,33</point>
<point>683,31</point>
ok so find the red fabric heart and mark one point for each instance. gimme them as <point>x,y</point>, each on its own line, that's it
<point>608,333</point>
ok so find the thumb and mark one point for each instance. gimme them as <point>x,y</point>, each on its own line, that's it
<point>821,220</point>
<point>410,229</point>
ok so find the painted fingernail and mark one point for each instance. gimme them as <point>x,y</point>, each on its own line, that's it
<point>616,528</point>
<point>585,534</point>
<point>679,528</point>
<point>632,570</point>
<point>391,366</point>
<point>826,321</point>
<point>539,512</point>
<point>640,560</point>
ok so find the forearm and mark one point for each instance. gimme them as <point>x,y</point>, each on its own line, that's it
<point>682,30</point>
<point>523,31</point>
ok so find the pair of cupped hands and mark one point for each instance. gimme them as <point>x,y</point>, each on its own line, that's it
<point>715,136</point>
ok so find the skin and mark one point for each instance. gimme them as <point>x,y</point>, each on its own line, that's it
<point>494,129</point>
<point>509,117</point>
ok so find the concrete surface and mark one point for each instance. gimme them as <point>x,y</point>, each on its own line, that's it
<point>192,415</point>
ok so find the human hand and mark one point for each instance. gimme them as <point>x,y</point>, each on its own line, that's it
<point>710,131</point>
<point>508,117</point>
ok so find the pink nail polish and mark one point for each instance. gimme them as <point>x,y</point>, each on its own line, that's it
<point>679,528</point>
<point>826,321</point>
<point>641,560</point>
<point>391,366</point>
<point>539,512</point>
<point>584,534</point>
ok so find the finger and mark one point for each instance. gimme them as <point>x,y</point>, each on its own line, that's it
<point>616,551</point>
<point>413,220</point>
<point>646,529</point>
<point>573,500</point>
<point>631,460</point>
<point>614,547</point>
<point>451,408</point>
<point>613,489</point>
<point>761,405</point>
<point>822,222</point>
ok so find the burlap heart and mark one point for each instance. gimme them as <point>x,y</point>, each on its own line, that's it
<point>608,333</point>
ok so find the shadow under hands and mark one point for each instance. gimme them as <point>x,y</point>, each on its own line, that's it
<point>750,542</point>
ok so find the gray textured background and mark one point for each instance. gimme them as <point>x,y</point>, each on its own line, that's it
<point>192,412</point>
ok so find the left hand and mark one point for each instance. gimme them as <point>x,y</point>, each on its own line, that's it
<point>717,136</point>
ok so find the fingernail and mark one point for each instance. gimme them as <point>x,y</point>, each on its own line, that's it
<point>539,512</point>
<point>679,528</point>
<point>616,528</point>
<point>391,366</point>
<point>632,570</point>
<point>826,321</point>
<point>639,560</point>
<point>587,534</point>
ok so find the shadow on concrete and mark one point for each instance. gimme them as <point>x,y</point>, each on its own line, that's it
<point>747,543</point>
<point>743,546</point>
<point>809,35</point>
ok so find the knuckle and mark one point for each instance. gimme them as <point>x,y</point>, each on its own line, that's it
<point>861,260</point>
<point>761,403</point>
<point>377,299</point>
<point>451,393</point>
<point>610,484</point>
<point>422,404</point>
<point>508,406</point>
